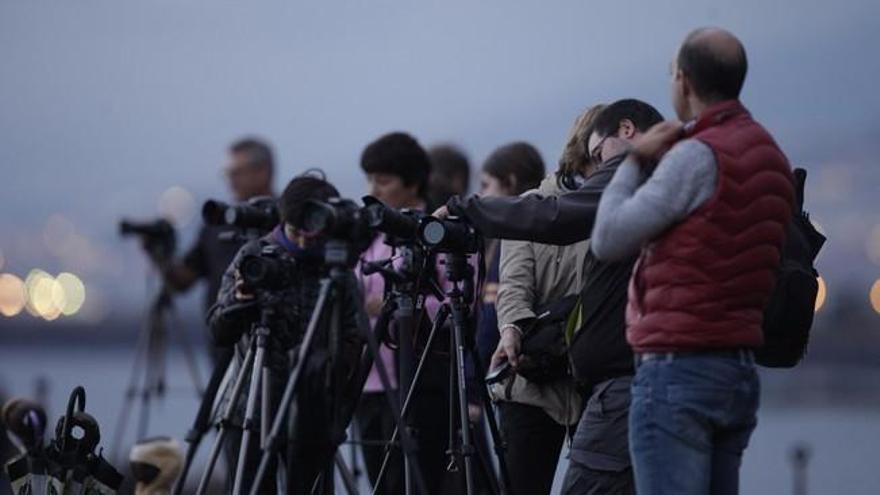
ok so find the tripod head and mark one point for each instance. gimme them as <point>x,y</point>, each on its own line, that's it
<point>414,274</point>
<point>461,274</point>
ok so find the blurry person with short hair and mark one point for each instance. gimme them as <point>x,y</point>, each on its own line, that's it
<point>450,174</point>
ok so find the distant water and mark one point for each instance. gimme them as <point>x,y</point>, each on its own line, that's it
<point>843,440</point>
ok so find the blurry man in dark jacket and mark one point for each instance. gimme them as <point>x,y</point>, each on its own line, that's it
<point>249,173</point>
<point>319,426</point>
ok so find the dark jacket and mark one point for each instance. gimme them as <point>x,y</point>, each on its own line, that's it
<point>598,350</point>
<point>561,220</point>
<point>314,441</point>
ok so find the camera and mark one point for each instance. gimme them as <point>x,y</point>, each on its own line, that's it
<point>269,270</point>
<point>260,213</point>
<point>156,230</point>
<point>451,235</point>
<point>399,227</point>
<point>158,236</point>
<point>337,218</point>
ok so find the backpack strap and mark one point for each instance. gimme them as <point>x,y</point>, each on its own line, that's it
<point>800,179</point>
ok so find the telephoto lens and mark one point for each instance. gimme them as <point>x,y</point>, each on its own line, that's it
<point>335,218</point>
<point>401,226</point>
<point>259,213</point>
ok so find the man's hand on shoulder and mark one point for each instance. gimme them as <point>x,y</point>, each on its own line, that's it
<point>649,147</point>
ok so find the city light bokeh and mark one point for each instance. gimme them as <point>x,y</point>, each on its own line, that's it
<point>41,294</point>
<point>821,294</point>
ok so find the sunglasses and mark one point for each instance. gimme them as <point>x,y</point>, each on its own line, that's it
<point>596,152</point>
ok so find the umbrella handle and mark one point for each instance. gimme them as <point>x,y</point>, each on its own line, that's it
<point>78,396</point>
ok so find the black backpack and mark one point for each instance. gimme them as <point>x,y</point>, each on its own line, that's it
<point>789,314</point>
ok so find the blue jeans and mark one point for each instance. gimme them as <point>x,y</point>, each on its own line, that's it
<point>690,421</point>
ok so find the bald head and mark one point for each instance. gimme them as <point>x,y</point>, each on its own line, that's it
<point>715,63</point>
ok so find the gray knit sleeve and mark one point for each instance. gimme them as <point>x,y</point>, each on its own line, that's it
<point>633,210</point>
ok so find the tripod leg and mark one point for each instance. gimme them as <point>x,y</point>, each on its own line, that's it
<point>439,320</point>
<point>237,389</point>
<point>406,440</point>
<point>497,441</point>
<point>458,319</point>
<point>173,322</point>
<point>291,386</point>
<point>137,369</point>
<point>266,406</point>
<point>153,375</point>
<point>453,466</point>
<point>348,479</point>
<point>189,355</point>
<point>203,418</point>
<point>247,426</point>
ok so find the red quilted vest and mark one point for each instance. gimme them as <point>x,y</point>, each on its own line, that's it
<point>703,284</point>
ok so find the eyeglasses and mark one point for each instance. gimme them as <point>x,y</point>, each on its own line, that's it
<point>596,152</point>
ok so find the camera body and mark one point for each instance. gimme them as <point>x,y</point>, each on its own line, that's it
<point>158,236</point>
<point>269,270</point>
<point>450,235</point>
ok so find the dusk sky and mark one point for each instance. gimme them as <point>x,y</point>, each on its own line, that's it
<point>105,105</point>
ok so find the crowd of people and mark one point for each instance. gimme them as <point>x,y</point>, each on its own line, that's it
<point>656,240</point>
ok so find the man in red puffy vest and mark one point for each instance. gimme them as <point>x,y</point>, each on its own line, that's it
<point>707,203</point>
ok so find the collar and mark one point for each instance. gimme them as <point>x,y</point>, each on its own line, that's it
<point>293,248</point>
<point>613,162</point>
<point>716,114</point>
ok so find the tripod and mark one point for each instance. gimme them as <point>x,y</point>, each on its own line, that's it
<point>202,423</point>
<point>147,376</point>
<point>331,297</point>
<point>459,273</point>
<point>254,367</point>
<point>405,300</point>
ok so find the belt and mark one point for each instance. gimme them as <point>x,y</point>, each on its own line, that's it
<point>744,355</point>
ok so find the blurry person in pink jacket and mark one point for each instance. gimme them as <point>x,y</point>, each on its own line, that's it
<point>397,169</point>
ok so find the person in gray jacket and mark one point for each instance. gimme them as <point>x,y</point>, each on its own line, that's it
<point>535,417</point>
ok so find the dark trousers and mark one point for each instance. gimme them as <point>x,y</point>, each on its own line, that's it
<point>690,422</point>
<point>599,460</point>
<point>376,425</point>
<point>534,441</point>
<point>429,420</point>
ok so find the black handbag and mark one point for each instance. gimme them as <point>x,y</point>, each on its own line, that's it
<point>544,356</point>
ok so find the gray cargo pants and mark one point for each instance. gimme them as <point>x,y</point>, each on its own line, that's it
<point>599,461</point>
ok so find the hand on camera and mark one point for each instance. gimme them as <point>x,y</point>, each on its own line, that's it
<point>373,306</point>
<point>242,292</point>
<point>441,213</point>
<point>508,348</point>
<point>650,146</point>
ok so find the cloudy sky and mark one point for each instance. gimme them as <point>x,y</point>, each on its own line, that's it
<point>105,105</point>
